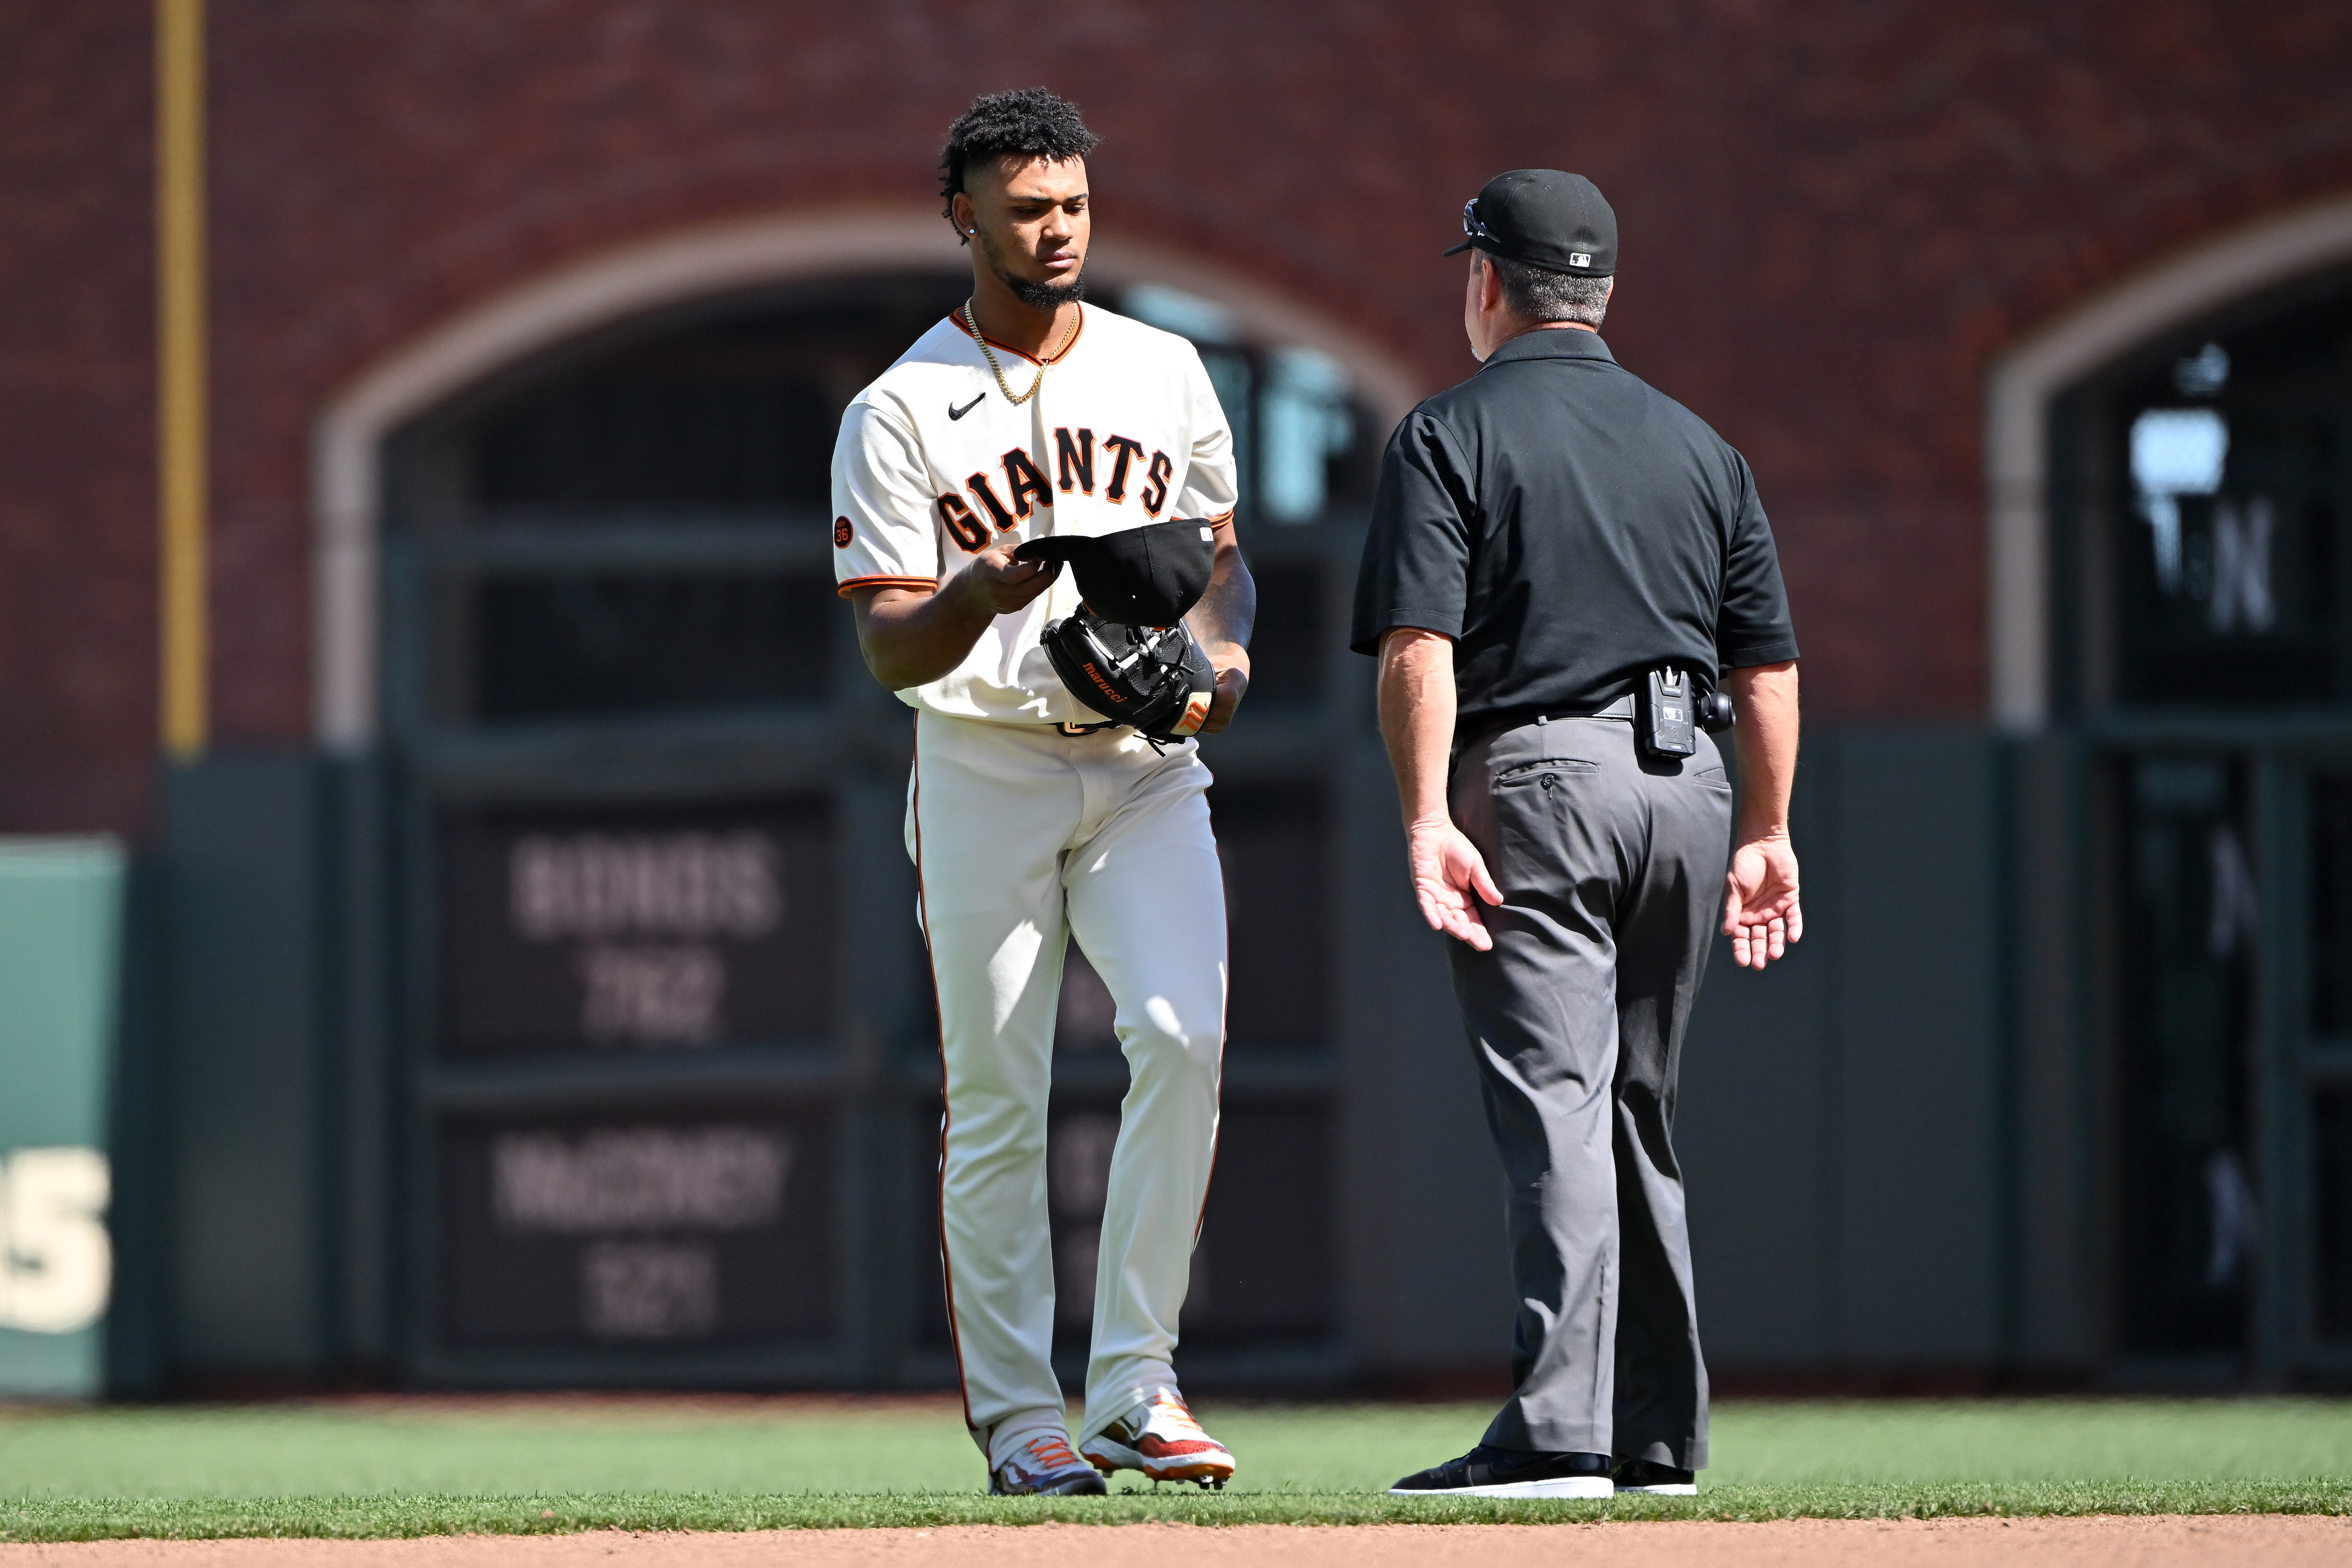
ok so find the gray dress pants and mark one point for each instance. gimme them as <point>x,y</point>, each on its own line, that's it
<point>1611,864</point>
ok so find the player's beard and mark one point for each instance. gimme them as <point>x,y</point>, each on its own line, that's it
<point>1037,296</point>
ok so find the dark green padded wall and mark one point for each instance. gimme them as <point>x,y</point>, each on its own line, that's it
<point>1842,1121</point>
<point>247,1131</point>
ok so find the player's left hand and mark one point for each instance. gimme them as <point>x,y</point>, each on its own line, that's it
<point>1232,684</point>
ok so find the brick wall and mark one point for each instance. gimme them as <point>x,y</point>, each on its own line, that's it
<point>1833,214</point>
<point>77,416</point>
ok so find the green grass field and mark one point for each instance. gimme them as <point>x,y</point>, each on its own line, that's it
<point>381,1469</point>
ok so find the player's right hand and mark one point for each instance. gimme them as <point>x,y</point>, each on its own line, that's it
<point>1446,869</point>
<point>1004,584</point>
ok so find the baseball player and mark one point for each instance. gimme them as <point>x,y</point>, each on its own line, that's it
<point>1032,819</point>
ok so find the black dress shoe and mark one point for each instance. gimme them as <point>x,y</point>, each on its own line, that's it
<point>1486,1471</point>
<point>1658,1481</point>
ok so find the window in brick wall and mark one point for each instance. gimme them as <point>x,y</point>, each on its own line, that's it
<point>2211,481</point>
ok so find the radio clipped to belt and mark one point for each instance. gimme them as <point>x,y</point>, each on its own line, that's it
<point>1670,709</point>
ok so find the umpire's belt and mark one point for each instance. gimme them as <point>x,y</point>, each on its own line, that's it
<point>1622,708</point>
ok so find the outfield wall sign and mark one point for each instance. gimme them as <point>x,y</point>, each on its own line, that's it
<point>643,1232</point>
<point>607,947</point>
<point>629,932</point>
<point>60,944</point>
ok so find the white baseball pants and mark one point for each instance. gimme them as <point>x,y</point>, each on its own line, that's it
<point>1022,837</point>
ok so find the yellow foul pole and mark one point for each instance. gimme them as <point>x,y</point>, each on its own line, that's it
<point>181,423</point>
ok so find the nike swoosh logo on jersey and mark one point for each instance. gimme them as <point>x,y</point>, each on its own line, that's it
<point>955,412</point>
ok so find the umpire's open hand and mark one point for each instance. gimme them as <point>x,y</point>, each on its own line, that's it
<point>1760,911</point>
<point>1446,868</point>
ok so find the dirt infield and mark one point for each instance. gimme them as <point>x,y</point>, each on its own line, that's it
<point>2285,1541</point>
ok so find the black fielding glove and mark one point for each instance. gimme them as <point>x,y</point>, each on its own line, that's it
<point>1154,678</point>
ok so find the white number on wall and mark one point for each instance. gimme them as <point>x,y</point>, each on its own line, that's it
<point>55,1262</point>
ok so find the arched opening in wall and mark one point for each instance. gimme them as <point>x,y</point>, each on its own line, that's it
<point>2201,500</point>
<point>663,999</point>
<point>632,525</point>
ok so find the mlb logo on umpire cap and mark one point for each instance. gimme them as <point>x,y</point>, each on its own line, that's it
<point>1545,218</point>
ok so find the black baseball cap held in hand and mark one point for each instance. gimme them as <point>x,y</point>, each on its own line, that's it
<point>1544,218</point>
<point>1148,575</point>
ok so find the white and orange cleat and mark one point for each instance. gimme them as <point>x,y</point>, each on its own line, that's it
<point>1160,1439</point>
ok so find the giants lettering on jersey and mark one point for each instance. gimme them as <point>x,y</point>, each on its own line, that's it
<point>1026,489</point>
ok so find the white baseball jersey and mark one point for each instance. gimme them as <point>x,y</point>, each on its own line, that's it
<point>933,464</point>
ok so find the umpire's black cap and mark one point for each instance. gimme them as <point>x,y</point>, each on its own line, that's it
<point>1546,219</point>
<point>1147,576</point>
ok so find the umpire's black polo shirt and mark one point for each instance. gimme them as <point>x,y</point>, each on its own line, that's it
<point>1568,527</point>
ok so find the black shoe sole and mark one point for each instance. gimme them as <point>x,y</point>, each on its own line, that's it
<point>1076,1486</point>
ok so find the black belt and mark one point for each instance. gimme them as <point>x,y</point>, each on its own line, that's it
<point>1622,708</point>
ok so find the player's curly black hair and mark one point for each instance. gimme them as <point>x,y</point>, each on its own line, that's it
<point>1029,120</point>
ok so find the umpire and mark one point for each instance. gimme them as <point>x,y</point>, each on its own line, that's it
<point>1563,567</point>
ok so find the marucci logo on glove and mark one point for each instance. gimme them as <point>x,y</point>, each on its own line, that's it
<point>1104,687</point>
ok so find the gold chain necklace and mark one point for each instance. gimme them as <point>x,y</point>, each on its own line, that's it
<point>973,322</point>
